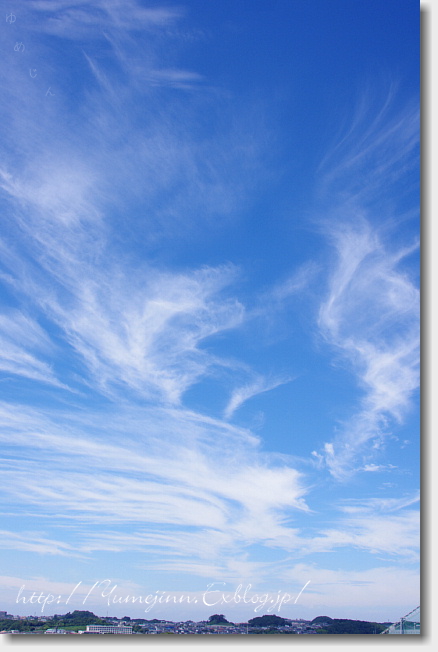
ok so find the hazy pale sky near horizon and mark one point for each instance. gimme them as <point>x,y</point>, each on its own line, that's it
<point>209,320</point>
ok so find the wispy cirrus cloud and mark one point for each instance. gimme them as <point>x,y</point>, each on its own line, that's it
<point>174,499</point>
<point>23,347</point>
<point>143,334</point>
<point>35,542</point>
<point>386,535</point>
<point>132,324</point>
<point>242,394</point>
<point>379,504</point>
<point>380,142</point>
<point>148,337</point>
<point>295,284</point>
<point>370,314</point>
<point>75,19</point>
<point>131,156</point>
<point>371,317</point>
<point>154,477</point>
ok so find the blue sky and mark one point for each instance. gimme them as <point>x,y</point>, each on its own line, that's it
<point>210,303</point>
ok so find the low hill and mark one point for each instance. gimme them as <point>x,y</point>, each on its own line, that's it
<point>77,618</point>
<point>266,621</point>
<point>344,626</point>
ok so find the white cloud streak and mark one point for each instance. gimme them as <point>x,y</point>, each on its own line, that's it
<point>175,502</point>
<point>74,19</point>
<point>18,334</point>
<point>152,468</point>
<point>389,535</point>
<point>370,314</point>
<point>243,394</point>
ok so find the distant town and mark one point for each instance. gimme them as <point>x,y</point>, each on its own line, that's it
<point>86,623</point>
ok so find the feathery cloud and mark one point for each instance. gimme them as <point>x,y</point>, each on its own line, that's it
<point>370,314</point>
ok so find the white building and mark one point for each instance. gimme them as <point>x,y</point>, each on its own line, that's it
<point>109,629</point>
<point>55,630</point>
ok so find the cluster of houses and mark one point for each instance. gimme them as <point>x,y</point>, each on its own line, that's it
<point>192,627</point>
<point>119,626</point>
